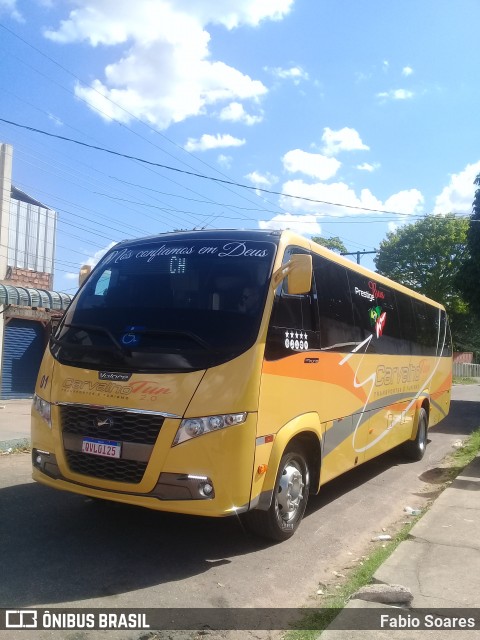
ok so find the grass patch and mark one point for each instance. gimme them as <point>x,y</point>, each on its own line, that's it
<point>457,380</point>
<point>16,447</point>
<point>335,598</point>
<point>465,454</point>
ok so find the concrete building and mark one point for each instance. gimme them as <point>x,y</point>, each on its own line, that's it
<point>28,306</point>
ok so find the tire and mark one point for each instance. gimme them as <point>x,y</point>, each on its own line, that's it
<point>289,499</point>
<point>415,449</point>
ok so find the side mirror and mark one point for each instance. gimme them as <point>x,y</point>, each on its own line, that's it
<point>299,278</point>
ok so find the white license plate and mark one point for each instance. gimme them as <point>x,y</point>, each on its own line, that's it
<point>105,448</point>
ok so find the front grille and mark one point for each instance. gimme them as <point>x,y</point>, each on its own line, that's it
<point>106,468</point>
<point>120,426</point>
<point>114,425</point>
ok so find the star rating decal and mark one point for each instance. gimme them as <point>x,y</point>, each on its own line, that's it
<point>297,340</point>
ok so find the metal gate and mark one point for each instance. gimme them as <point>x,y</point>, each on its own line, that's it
<point>23,347</point>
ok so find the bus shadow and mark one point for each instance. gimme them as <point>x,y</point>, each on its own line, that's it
<point>464,417</point>
<point>59,547</point>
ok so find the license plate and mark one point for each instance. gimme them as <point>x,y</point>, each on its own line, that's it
<point>105,448</point>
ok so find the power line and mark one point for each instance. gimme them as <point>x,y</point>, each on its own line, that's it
<point>195,174</point>
<point>119,106</point>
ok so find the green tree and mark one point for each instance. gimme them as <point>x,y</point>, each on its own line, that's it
<point>334,243</point>
<point>427,256</point>
<point>469,275</point>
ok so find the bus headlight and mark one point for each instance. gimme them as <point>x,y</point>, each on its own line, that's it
<point>43,408</point>
<point>193,427</point>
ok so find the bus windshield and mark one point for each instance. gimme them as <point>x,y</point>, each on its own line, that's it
<point>167,305</point>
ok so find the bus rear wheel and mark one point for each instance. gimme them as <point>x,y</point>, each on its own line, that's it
<point>289,499</point>
<point>415,449</point>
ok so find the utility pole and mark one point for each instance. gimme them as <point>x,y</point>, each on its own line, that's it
<point>358,254</point>
<point>6,152</point>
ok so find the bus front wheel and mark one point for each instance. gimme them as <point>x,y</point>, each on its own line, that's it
<point>289,499</point>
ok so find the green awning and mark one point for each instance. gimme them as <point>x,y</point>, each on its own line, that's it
<point>26,297</point>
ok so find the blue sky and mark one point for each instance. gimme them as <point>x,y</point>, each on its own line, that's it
<point>368,109</point>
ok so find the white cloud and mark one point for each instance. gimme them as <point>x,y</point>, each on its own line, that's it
<point>458,195</point>
<point>224,161</point>
<point>161,69</point>
<point>235,112</point>
<point>91,261</point>
<point>304,224</point>
<point>346,139</point>
<point>407,202</point>
<point>98,255</point>
<point>396,94</point>
<point>294,73</point>
<point>10,7</point>
<point>366,166</point>
<point>385,65</point>
<point>315,165</point>
<point>262,180</point>
<point>407,71</point>
<point>207,141</point>
<point>54,118</point>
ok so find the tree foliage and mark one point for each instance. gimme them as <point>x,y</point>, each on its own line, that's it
<point>469,275</point>
<point>427,256</point>
<point>334,243</point>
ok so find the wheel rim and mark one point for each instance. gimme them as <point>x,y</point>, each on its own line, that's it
<point>290,491</point>
<point>422,440</point>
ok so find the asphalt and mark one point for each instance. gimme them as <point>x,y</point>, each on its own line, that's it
<point>439,564</point>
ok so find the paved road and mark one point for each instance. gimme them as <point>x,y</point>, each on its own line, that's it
<point>59,549</point>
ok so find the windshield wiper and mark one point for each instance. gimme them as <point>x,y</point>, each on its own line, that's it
<point>95,329</point>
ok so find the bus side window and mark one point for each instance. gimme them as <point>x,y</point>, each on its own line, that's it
<point>445,337</point>
<point>376,314</point>
<point>337,330</point>
<point>292,311</point>
<point>426,327</point>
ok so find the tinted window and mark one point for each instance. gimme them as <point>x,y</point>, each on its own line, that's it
<point>376,314</point>
<point>427,327</point>
<point>407,324</point>
<point>337,329</point>
<point>293,323</point>
<point>168,305</point>
<point>445,343</point>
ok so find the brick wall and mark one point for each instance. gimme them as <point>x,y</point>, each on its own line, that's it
<point>462,357</point>
<point>27,278</point>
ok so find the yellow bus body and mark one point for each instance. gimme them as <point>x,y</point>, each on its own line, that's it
<point>345,408</point>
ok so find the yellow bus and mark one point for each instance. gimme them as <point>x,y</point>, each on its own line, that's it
<point>234,372</point>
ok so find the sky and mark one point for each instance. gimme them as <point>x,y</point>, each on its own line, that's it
<point>332,118</point>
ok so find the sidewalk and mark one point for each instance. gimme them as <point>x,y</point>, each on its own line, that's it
<point>439,564</point>
<point>14,423</point>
